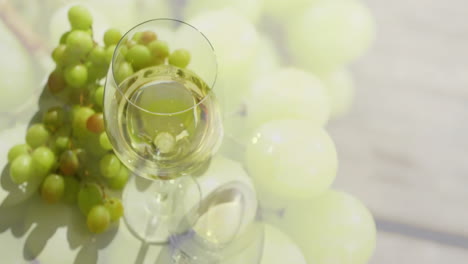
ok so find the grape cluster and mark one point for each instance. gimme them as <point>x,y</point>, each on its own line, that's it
<point>69,151</point>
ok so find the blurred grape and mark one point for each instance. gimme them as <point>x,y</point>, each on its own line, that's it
<point>16,72</point>
<point>288,94</point>
<point>332,228</point>
<point>285,10</point>
<point>267,58</point>
<point>330,33</point>
<point>251,9</point>
<point>340,88</point>
<point>235,41</point>
<point>278,248</point>
<point>290,160</point>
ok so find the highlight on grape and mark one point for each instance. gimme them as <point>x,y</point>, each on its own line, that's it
<point>277,100</point>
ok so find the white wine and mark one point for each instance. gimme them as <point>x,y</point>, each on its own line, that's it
<point>167,121</point>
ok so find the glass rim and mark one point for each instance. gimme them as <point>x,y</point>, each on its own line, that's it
<point>210,93</point>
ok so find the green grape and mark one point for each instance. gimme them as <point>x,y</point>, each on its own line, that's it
<point>54,118</point>
<point>139,56</point>
<point>110,53</point>
<point>58,54</point>
<point>70,57</point>
<point>89,195</point>
<point>137,37</point>
<point>147,37</point>
<point>112,37</point>
<point>159,49</point>
<point>56,82</point>
<point>63,38</point>
<point>69,163</point>
<point>118,182</point>
<point>251,9</point>
<point>278,248</point>
<point>21,169</point>
<point>291,160</point>
<point>72,186</point>
<point>332,228</point>
<point>99,96</point>
<point>79,120</point>
<point>104,141</point>
<point>115,207</point>
<point>180,58</point>
<point>109,166</point>
<point>79,42</point>
<point>340,88</point>
<point>329,34</point>
<point>53,188</point>
<point>61,144</point>
<point>95,123</point>
<point>80,17</point>
<point>76,75</point>
<point>37,135</point>
<point>124,70</point>
<point>18,150</point>
<point>98,55</point>
<point>43,160</point>
<point>269,100</point>
<point>96,72</point>
<point>98,219</point>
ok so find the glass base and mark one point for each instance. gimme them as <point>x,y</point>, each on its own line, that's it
<point>149,205</point>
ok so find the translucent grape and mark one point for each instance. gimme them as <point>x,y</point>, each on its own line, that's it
<point>53,188</point>
<point>89,195</point>
<point>21,169</point>
<point>147,37</point>
<point>58,53</point>
<point>76,75</point>
<point>123,71</point>
<point>109,166</point>
<point>139,56</point>
<point>56,82</point>
<point>115,207</point>
<point>112,37</point>
<point>98,55</point>
<point>235,58</point>
<point>104,141</point>
<point>159,49</point>
<point>80,17</point>
<point>54,118</point>
<point>118,182</point>
<point>288,94</point>
<point>99,96</point>
<point>37,135</point>
<point>332,228</point>
<point>291,160</point>
<point>98,219</point>
<point>72,186</point>
<point>69,163</point>
<point>179,58</point>
<point>95,123</point>
<point>340,89</point>
<point>286,10</point>
<point>43,160</point>
<point>330,33</point>
<point>18,150</point>
<point>278,248</point>
<point>79,42</point>
<point>249,8</point>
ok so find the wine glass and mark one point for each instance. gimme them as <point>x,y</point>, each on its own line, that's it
<point>161,116</point>
<point>223,228</point>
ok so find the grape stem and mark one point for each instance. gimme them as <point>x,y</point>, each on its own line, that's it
<point>13,20</point>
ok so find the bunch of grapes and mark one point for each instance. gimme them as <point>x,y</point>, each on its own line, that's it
<point>69,151</point>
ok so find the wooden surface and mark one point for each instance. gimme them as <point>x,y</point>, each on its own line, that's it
<point>404,146</point>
